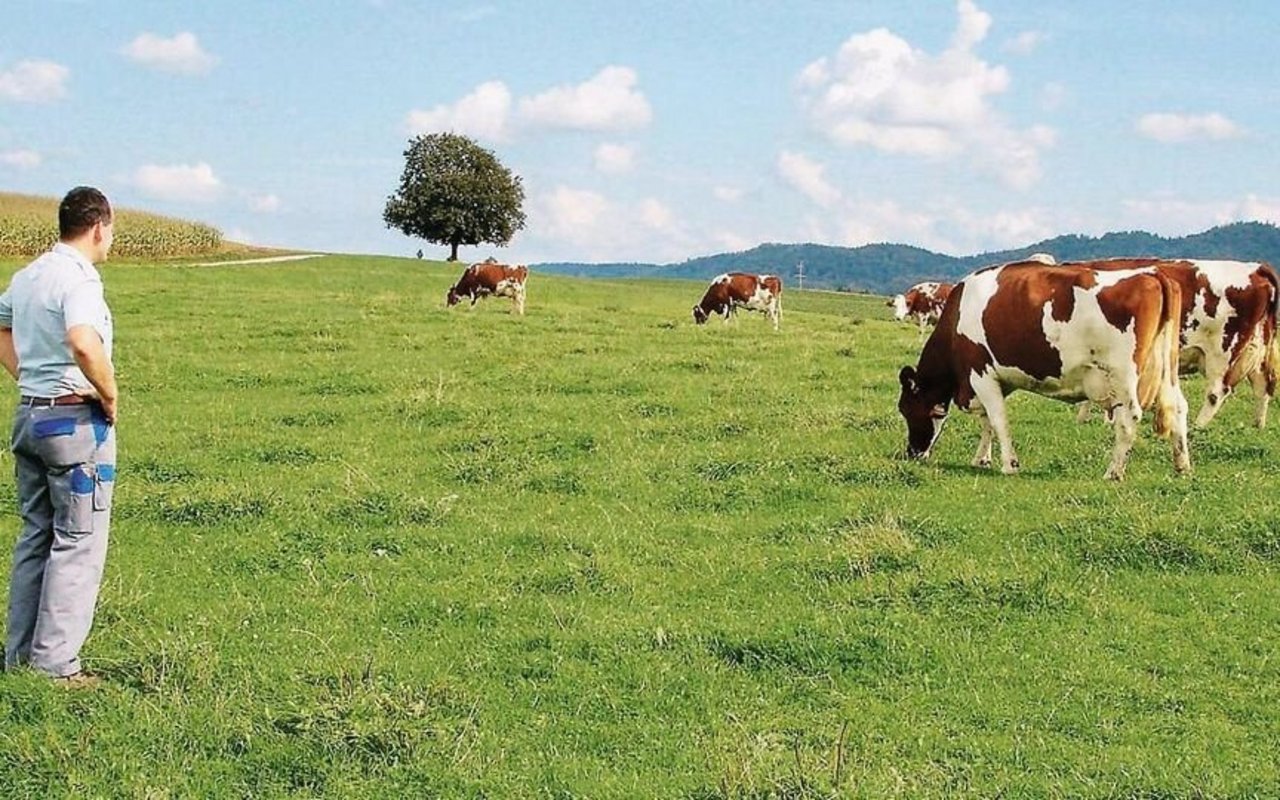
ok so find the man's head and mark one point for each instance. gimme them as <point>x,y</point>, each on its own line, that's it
<point>85,222</point>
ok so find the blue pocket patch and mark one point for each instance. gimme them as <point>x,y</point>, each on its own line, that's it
<point>81,481</point>
<point>57,426</point>
<point>106,472</point>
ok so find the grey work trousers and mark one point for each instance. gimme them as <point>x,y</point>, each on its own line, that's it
<point>65,464</point>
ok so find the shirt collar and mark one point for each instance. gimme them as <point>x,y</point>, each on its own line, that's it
<point>62,248</point>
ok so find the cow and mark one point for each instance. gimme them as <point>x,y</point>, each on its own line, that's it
<point>922,303</point>
<point>734,290</point>
<point>1228,327</point>
<point>489,277</point>
<point>1066,332</point>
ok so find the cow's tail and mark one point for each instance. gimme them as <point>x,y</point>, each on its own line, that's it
<point>1161,368</point>
<point>1271,331</point>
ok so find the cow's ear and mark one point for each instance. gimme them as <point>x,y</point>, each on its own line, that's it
<point>907,377</point>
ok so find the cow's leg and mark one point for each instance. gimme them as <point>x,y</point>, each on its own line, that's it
<point>1216,390</point>
<point>1124,418</point>
<point>1174,406</point>
<point>774,313</point>
<point>1262,390</point>
<point>518,300</point>
<point>982,458</point>
<point>1082,411</point>
<point>991,396</point>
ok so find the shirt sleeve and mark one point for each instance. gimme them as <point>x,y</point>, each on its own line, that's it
<point>6,310</point>
<point>83,305</point>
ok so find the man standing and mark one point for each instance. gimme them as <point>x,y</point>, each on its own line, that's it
<point>55,340</point>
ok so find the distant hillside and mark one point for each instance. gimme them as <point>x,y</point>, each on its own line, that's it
<point>889,268</point>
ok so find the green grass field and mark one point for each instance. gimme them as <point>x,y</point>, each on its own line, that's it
<point>365,546</point>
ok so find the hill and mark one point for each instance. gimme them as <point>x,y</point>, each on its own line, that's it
<point>888,268</point>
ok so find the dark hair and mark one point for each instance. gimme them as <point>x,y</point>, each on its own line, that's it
<point>80,210</point>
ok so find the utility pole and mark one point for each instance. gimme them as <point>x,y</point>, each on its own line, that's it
<point>800,275</point>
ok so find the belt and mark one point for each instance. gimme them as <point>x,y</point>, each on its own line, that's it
<point>50,402</point>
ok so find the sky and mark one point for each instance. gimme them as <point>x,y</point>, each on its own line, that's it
<point>656,130</point>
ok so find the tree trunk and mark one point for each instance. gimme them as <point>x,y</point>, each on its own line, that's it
<point>453,256</point>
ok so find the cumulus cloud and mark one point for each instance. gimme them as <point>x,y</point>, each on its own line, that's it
<point>609,101</point>
<point>21,159</point>
<point>880,91</point>
<point>807,177</point>
<point>34,82</point>
<point>728,194</point>
<point>193,183</point>
<point>593,227</point>
<point>1174,216</point>
<point>1187,127</point>
<point>264,203</point>
<point>180,54</point>
<point>1025,43</point>
<point>614,158</point>
<point>484,113</point>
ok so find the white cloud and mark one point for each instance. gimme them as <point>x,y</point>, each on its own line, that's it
<point>1174,216</point>
<point>1187,127</point>
<point>179,182</point>
<point>656,215</point>
<point>181,54</point>
<point>20,159</point>
<point>728,194</point>
<point>1025,43</point>
<point>1053,96</point>
<point>880,91</point>
<point>613,159</point>
<point>609,101</point>
<point>34,82</point>
<point>264,203</point>
<point>807,176</point>
<point>485,113</point>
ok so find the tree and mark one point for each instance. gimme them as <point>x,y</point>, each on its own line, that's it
<point>455,192</point>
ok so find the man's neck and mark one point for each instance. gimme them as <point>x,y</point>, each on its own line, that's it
<point>80,246</point>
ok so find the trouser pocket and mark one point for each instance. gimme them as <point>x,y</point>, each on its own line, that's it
<point>72,491</point>
<point>104,485</point>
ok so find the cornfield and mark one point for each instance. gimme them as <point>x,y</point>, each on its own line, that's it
<point>29,225</point>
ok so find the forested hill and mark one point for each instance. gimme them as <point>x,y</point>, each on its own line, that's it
<point>890,268</point>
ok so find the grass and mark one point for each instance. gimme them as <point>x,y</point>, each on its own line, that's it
<point>365,546</point>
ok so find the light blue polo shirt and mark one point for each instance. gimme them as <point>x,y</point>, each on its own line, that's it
<point>51,294</point>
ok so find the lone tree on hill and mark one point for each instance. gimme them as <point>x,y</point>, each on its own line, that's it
<point>455,192</point>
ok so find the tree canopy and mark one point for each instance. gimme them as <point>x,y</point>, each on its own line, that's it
<point>455,192</point>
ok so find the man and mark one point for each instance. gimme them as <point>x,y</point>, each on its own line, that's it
<point>55,340</point>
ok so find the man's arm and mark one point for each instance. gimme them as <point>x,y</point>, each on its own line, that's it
<point>91,357</point>
<point>8,354</point>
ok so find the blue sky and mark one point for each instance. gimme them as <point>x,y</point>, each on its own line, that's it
<point>657,131</point>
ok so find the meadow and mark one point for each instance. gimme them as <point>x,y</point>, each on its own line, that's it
<point>367,546</point>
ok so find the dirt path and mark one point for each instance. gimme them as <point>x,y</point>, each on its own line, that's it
<point>267,260</point>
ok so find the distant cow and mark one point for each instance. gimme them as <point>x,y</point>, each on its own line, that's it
<point>922,303</point>
<point>735,290</point>
<point>489,277</point>
<point>1228,326</point>
<point>1067,332</point>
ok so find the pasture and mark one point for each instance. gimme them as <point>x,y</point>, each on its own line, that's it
<point>365,546</point>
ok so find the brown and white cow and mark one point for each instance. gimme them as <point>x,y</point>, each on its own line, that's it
<point>922,303</point>
<point>1228,326</point>
<point>734,290</point>
<point>489,277</point>
<point>1067,332</point>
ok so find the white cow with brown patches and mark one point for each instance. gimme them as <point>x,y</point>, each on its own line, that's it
<point>734,290</point>
<point>1067,332</point>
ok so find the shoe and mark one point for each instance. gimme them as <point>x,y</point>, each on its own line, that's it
<point>78,680</point>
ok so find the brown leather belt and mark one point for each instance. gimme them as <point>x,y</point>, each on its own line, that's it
<point>61,400</point>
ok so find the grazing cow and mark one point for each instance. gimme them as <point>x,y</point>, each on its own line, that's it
<point>489,277</point>
<point>735,290</point>
<point>1228,326</point>
<point>922,302</point>
<point>1067,332</point>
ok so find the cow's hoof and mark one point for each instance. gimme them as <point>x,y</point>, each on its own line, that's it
<point>983,463</point>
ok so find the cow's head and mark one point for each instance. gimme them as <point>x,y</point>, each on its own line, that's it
<point>699,314</point>
<point>899,306</point>
<point>925,415</point>
<point>452,297</point>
